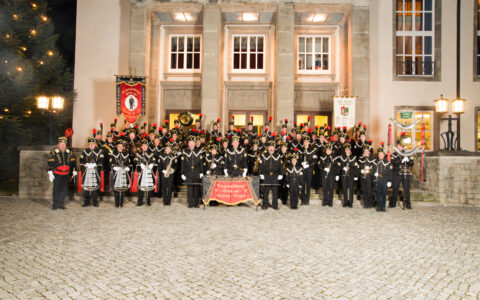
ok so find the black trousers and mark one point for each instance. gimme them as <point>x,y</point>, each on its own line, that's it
<point>396,181</point>
<point>167,189</point>
<point>93,196</point>
<point>193,192</point>
<point>381,194</point>
<point>60,186</point>
<point>347,185</point>
<point>306,185</point>
<point>293,191</point>
<point>119,197</point>
<point>266,191</point>
<point>141,194</point>
<point>367,186</point>
<point>283,191</point>
<point>328,186</point>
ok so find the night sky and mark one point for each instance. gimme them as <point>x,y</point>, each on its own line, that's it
<point>63,13</point>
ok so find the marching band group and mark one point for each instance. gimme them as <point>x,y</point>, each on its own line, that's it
<point>289,164</point>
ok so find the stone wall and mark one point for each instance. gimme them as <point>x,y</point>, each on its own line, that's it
<point>453,180</point>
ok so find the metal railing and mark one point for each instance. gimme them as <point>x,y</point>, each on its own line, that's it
<point>415,68</point>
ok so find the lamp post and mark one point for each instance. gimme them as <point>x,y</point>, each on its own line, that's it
<point>50,105</point>
<point>449,137</point>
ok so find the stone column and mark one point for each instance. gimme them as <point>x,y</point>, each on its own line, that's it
<point>211,66</point>
<point>360,40</point>
<point>285,86</point>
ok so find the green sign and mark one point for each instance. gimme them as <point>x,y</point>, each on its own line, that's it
<point>406,115</point>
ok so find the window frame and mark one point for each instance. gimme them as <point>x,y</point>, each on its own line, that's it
<point>329,53</point>
<point>184,70</point>
<point>476,41</point>
<point>248,70</point>
<point>476,119</point>
<point>436,45</point>
<point>434,126</point>
<point>247,114</point>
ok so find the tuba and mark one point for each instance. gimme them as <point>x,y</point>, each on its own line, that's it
<point>185,118</point>
<point>91,179</point>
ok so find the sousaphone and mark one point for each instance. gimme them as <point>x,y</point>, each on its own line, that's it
<point>185,118</point>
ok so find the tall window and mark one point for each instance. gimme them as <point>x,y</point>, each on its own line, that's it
<point>415,133</point>
<point>248,53</point>
<point>185,53</point>
<point>313,54</point>
<point>478,38</point>
<point>415,22</point>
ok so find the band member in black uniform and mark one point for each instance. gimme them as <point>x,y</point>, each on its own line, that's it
<point>252,158</point>
<point>348,169</point>
<point>402,173</point>
<point>214,162</point>
<point>107,149</point>
<point>144,162</point>
<point>156,148</point>
<point>270,166</point>
<point>235,160</point>
<point>164,134</point>
<point>121,164</point>
<point>215,135</point>
<point>91,163</point>
<point>284,157</point>
<point>328,167</point>
<point>294,178</point>
<point>60,163</point>
<point>249,134</point>
<point>192,171</point>
<point>308,158</point>
<point>231,129</point>
<point>167,162</point>
<point>98,134</point>
<point>383,179</point>
<point>367,166</point>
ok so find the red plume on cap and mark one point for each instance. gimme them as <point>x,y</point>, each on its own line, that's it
<point>382,143</point>
<point>144,123</point>
<point>239,130</point>
<point>259,135</point>
<point>68,132</point>
<point>359,123</point>
<point>166,121</point>
<point>101,124</point>
<point>308,118</point>
<point>349,140</point>
<point>136,126</point>
<point>328,128</point>
<point>270,118</point>
<point>121,133</point>
<point>370,141</point>
<point>251,118</point>
<point>332,138</point>
<point>288,137</point>
<point>171,139</point>
<point>94,131</point>
<point>344,127</point>
<point>233,117</point>
<point>309,130</point>
<point>295,149</point>
<point>403,133</point>
<point>301,124</point>
<point>219,139</point>
<point>200,115</point>
<point>160,128</point>
<point>115,120</point>
<point>364,125</point>
<point>112,129</point>
<point>228,136</point>
<point>218,120</point>
<point>194,129</point>
<point>274,133</point>
<point>154,125</point>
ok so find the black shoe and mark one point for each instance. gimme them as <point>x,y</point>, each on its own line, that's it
<point>264,208</point>
<point>121,204</point>
<point>149,203</point>
<point>166,204</point>
<point>139,204</point>
<point>54,208</point>
<point>95,204</point>
<point>85,204</point>
<point>276,208</point>
<point>293,207</point>
<point>63,207</point>
<point>409,207</point>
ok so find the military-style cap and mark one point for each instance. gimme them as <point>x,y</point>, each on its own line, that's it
<point>62,139</point>
<point>120,142</point>
<point>91,140</point>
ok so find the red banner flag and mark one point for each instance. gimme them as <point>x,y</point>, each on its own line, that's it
<point>130,97</point>
<point>231,192</point>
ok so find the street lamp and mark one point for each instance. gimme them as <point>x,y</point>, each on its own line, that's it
<point>451,141</point>
<point>43,103</point>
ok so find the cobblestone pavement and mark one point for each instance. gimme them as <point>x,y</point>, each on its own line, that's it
<point>236,252</point>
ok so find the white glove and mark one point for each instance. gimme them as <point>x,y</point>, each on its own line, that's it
<point>201,175</point>
<point>405,159</point>
<point>355,178</point>
<point>244,174</point>
<point>280,177</point>
<point>74,173</point>
<point>306,166</point>
<point>184,177</point>
<point>362,171</point>
<point>116,168</point>
<point>262,177</point>
<point>142,166</point>
<point>51,177</point>
<point>345,169</point>
<point>208,172</point>
<point>288,186</point>
<point>376,174</point>
<point>127,169</point>
<point>225,171</point>
<point>213,166</point>
<point>337,178</point>
<point>327,169</point>
<point>164,171</point>
<point>389,184</point>
<point>150,166</point>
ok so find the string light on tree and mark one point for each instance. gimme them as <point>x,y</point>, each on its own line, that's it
<point>7,36</point>
<point>34,5</point>
<point>33,32</point>
<point>19,69</point>
<point>50,53</point>
<point>41,62</point>
<point>23,48</point>
<point>44,18</point>
<point>15,16</point>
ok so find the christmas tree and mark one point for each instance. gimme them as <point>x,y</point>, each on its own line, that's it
<point>30,66</point>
